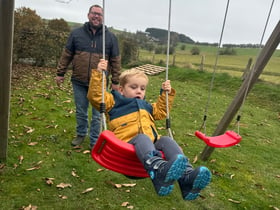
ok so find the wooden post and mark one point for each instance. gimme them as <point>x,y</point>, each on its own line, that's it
<point>153,57</point>
<point>202,63</point>
<point>6,43</point>
<point>247,69</point>
<point>261,61</point>
<point>174,59</point>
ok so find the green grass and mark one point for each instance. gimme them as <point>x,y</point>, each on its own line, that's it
<point>233,65</point>
<point>42,125</point>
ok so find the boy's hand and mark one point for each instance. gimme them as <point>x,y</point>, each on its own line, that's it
<point>102,65</point>
<point>166,86</point>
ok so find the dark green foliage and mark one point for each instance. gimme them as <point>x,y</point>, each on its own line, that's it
<point>162,34</point>
<point>195,51</point>
<point>227,51</point>
<point>37,41</point>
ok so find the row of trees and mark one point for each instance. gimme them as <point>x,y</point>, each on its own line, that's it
<point>37,40</point>
<point>40,41</point>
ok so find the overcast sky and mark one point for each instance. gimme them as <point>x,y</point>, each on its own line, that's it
<point>201,20</point>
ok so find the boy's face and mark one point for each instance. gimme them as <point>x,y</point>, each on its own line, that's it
<point>134,88</point>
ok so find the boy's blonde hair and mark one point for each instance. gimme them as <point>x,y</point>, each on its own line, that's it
<point>125,75</point>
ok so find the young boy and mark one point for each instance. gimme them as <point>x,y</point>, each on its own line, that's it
<point>132,119</point>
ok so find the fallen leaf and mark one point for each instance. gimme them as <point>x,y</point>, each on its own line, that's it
<point>195,159</point>
<point>118,186</point>
<point>32,143</point>
<point>86,152</point>
<point>100,169</point>
<point>62,197</point>
<point>49,181</point>
<point>125,203</point>
<point>274,207</point>
<point>213,161</point>
<point>29,207</point>
<point>63,185</point>
<point>33,168</point>
<point>29,129</point>
<point>67,101</point>
<point>129,185</point>
<point>74,174</point>
<point>20,159</point>
<point>88,190</point>
<point>161,128</point>
<point>130,207</point>
<point>234,201</point>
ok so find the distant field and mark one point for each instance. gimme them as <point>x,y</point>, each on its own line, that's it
<point>232,64</point>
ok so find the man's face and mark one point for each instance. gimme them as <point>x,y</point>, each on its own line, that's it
<point>95,17</point>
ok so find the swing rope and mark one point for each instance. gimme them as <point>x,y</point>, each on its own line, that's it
<point>168,122</point>
<point>203,126</point>
<point>114,154</point>
<point>253,69</point>
<point>102,105</point>
<point>231,138</point>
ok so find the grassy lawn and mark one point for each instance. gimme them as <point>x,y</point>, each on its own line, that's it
<point>231,64</point>
<point>42,170</point>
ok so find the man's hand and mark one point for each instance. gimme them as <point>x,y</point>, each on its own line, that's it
<point>102,65</point>
<point>115,87</point>
<point>59,80</point>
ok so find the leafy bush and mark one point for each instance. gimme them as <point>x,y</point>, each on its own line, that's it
<point>228,51</point>
<point>195,51</point>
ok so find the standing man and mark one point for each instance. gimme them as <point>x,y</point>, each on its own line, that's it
<point>84,49</point>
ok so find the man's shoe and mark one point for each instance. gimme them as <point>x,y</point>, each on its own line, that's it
<point>193,181</point>
<point>78,140</point>
<point>164,173</point>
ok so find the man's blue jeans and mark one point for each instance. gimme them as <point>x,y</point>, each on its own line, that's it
<point>82,103</point>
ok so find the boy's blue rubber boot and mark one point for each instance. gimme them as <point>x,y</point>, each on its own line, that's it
<point>193,181</point>
<point>164,173</point>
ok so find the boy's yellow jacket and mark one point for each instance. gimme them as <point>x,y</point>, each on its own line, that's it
<point>128,116</point>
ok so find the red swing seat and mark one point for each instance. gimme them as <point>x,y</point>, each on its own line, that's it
<point>118,156</point>
<point>229,138</point>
